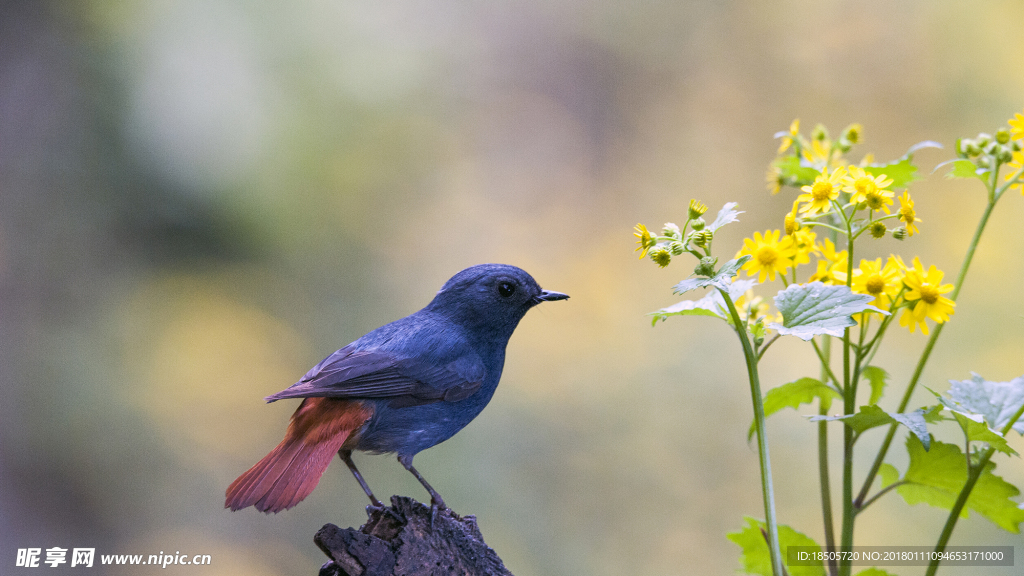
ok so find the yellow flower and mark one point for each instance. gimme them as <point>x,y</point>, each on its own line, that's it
<point>773,179</point>
<point>828,250</point>
<point>868,189</point>
<point>907,214</point>
<point>769,255</point>
<point>787,141</point>
<point>1014,166</point>
<point>927,289</point>
<point>832,264</point>
<point>830,272</point>
<point>751,307</point>
<point>1017,126</point>
<point>819,195</point>
<point>803,240</point>
<point>645,241</point>
<point>882,282</point>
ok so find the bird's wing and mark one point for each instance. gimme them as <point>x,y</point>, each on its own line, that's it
<point>372,374</point>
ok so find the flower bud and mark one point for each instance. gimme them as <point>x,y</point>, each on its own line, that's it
<point>697,209</point>
<point>1015,145</point>
<point>820,133</point>
<point>971,147</point>
<point>983,139</point>
<point>1003,136</point>
<point>701,238</point>
<point>698,224</point>
<point>878,229</point>
<point>899,233</point>
<point>791,224</point>
<point>852,133</point>
<point>661,256</point>
<point>670,230</point>
<point>706,266</point>
<point>1003,154</point>
<point>676,248</point>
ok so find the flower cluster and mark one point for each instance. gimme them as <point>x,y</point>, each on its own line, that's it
<point>989,153</point>
<point>842,200</point>
<point>674,240</point>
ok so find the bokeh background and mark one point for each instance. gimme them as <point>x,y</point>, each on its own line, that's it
<point>201,199</point>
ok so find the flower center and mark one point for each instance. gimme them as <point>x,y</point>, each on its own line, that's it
<point>821,191</point>
<point>875,284</point>
<point>874,200</point>
<point>929,293</point>
<point>766,255</point>
<point>865,185</point>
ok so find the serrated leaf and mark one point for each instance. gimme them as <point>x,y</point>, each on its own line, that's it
<point>975,430</point>
<point>815,308</point>
<point>888,474</point>
<point>710,305</point>
<point>722,279</point>
<point>794,394</point>
<point>935,477</point>
<point>872,416</point>
<point>902,171</point>
<point>877,378</point>
<point>794,171</point>
<point>963,168</point>
<point>726,215</point>
<point>755,557</point>
<point>996,402</point>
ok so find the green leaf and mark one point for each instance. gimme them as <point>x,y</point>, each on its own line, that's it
<point>722,279</point>
<point>794,394</point>
<point>936,477</point>
<point>815,308</point>
<point>726,215</point>
<point>888,474</point>
<point>710,305</point>
<point>997,402</point>
<point>964,168</point>
<point>975,430</point>
<point>794,171</point>
<point>877,377</point>
<point>902,171</point>
<point>872,416</point>
<point>755,557</point>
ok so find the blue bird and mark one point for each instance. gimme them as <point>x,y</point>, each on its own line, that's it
<point>402,388</point>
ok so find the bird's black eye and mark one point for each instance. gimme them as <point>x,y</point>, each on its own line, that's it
<point>506,289</point>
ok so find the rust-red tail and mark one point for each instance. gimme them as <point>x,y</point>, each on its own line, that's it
<point>318,429</point>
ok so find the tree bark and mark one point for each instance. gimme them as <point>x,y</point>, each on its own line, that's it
<point>408,539</point>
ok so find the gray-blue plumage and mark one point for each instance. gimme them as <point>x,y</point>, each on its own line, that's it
<point>429,374</point>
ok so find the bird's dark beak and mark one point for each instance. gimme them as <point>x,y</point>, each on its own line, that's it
<point>548,296</point>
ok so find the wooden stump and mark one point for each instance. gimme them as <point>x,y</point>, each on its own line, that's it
<point>408,539</point>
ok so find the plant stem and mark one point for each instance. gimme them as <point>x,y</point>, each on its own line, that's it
<point>762,438</point>
<point>849,407</point>
<point>826,489</point>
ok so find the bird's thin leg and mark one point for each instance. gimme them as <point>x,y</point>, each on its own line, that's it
<point>435,498</point>
<point>346,457</point>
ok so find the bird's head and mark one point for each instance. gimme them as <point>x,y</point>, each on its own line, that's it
<point>490,297</point>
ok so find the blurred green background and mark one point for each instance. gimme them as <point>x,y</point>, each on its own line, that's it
<point>202,199</point>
